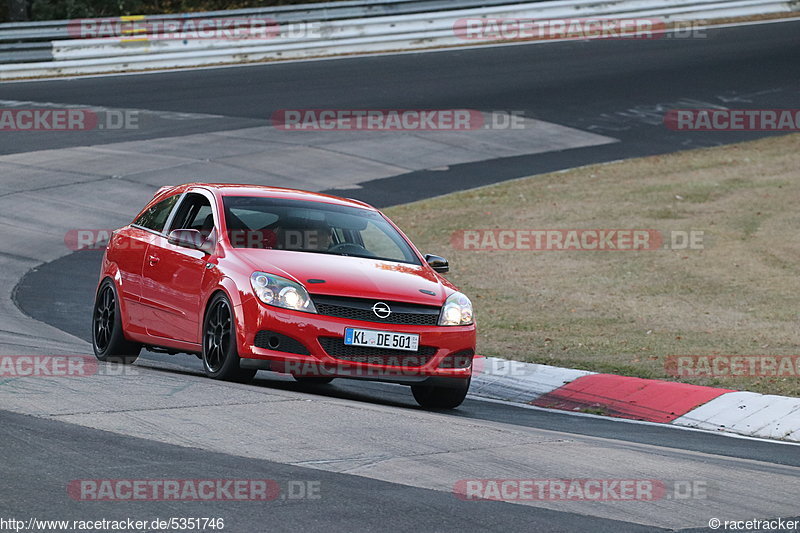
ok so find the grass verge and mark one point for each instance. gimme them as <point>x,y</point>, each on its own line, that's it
<point>626,312</point>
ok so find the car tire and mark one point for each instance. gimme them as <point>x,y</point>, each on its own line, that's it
<point>313,380</point>
<point>220,354</point>
<point>108,338</point>
<point>440,397</point>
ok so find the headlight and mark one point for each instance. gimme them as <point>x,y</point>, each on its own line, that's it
<point>281,292</point>
<point>457,311</point>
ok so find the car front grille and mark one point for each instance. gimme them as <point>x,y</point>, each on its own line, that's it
<point>335,347</point>
<point>361,309</point>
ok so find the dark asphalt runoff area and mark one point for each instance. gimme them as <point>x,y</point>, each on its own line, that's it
<point>619,89</point>
<point>52,454</point>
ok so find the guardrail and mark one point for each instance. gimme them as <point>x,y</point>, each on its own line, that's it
<point>53,30</point>
<point>312,30</point>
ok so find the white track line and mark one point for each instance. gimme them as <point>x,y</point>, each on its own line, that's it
<point>629,421</point>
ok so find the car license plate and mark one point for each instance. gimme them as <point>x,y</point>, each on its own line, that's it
<point>381,339</point>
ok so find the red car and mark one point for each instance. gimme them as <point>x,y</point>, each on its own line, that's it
<point>319,287</point>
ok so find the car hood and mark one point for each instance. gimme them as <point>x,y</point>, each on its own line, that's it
<point>355,277</point>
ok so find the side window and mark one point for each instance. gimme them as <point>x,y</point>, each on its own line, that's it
<point>194,213</point>
<point>155,217</point>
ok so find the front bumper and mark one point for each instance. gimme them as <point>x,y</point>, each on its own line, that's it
<point>440,346</point>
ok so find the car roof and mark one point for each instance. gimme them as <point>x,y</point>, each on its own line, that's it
<point>237,189</point>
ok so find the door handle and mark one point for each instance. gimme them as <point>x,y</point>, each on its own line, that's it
<point>153,260</point>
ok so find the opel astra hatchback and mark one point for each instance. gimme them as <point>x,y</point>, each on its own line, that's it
<point>315,286</point>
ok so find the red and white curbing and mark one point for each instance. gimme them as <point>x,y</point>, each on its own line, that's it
<point>748,413</point>
<point>681,404</point>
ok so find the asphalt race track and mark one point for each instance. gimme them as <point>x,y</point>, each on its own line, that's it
<point>381,463</point>
<point>618,89</point>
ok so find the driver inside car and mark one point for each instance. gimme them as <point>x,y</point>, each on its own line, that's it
<point>311,238</point>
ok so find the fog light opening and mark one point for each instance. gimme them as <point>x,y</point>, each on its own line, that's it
<point>273,342</point>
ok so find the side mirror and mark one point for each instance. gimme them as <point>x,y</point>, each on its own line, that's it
<point>190,238</point>
<point>439,264</point>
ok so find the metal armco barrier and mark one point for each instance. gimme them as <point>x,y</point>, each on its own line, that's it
<point>314,30</point>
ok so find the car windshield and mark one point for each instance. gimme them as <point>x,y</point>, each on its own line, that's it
<point>316,227</point>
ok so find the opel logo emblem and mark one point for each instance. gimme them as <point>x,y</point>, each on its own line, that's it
<point>381,310</point>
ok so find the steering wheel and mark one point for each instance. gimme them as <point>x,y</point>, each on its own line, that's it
<point>350,248</point>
